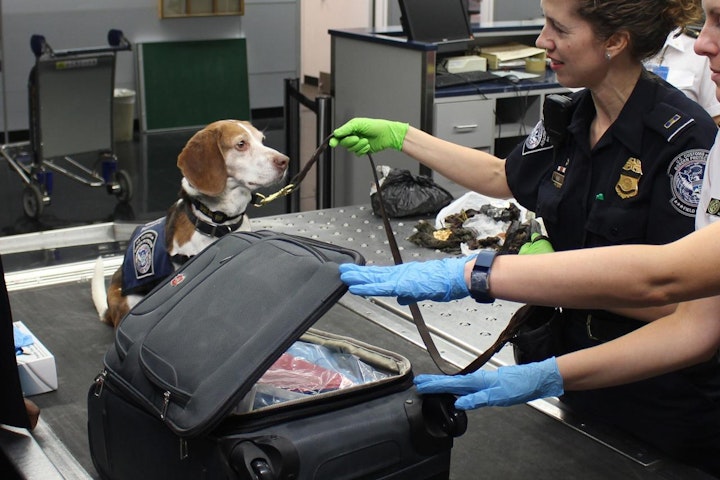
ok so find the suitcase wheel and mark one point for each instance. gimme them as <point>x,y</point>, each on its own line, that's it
<point>262,458</point>
<point>440,413</point>
<point>262,470</point>
<point>434,422</point>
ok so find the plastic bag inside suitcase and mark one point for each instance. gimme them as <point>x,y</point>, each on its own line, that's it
<point>183,392</point>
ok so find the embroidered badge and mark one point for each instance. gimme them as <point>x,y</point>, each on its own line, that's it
<point>627,185</point>
<point>143,248</point>
<point>537,141</point>
<point>686,175</point>
<point>713,207</point>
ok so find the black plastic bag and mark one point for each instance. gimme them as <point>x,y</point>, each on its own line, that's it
<point>408,195</point>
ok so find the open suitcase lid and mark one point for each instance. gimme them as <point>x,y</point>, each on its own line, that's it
<point>193,347</point>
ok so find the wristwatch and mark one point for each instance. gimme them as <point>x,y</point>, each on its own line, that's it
<point>480,277</point>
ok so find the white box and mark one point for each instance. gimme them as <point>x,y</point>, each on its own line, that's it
<point>36,366</point>
<point>507,55</point>
<point>467,63</point>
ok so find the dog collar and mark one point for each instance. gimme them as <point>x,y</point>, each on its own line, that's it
<point>180,259</point>
<point>212,229</point>
<point>214,215</point>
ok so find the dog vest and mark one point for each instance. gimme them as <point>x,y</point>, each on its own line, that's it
<point>147,261</point>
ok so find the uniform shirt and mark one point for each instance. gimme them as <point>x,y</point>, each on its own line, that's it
<point>639,184</point>
<point>709,207</point>
<point>678,63</point>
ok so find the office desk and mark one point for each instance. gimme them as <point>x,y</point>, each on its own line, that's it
<point>382,75</point>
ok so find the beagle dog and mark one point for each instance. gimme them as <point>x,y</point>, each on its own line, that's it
<point>222,165</point>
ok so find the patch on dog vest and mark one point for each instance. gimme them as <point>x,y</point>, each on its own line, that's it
<point>146,262</point>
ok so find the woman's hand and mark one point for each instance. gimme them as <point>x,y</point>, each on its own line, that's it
<point>369,135</point>
<point>438,280</point>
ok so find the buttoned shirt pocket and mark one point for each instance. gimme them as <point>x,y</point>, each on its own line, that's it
<point>548,201</point>
<point>615,224</point>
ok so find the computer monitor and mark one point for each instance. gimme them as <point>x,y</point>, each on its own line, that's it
<point>435,21</point>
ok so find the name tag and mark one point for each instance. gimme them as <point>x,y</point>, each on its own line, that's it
<point>660,70</point>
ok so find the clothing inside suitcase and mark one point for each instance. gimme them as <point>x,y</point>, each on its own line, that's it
<point>189,361</point>
<point>321,363</point>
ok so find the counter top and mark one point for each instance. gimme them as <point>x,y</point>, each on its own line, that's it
<point>467,328</point>
<point>394,34</point>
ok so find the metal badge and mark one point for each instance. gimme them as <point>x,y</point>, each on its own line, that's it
<point>627,185</point>
<point>558,176</point>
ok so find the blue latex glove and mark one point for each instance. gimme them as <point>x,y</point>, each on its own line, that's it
<point>503,387</point>
<point>438,280</point>
<point>21,340</point>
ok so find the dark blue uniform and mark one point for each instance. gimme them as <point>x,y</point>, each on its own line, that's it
<point>147,261</point>
<point>639,184</point>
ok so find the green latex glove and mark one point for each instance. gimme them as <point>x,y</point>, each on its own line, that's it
<point>538,244</point>
<point>369,135</point>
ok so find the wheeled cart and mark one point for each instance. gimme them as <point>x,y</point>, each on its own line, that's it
<point>70,95</point>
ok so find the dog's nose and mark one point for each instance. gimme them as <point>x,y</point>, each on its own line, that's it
<point>281,161</point>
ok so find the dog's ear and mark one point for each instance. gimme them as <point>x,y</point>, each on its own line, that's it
<point>202,163</point>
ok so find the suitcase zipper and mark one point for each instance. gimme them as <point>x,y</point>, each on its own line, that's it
<point>166,403</point>
<point>107,377</point>
<point>100,383</point>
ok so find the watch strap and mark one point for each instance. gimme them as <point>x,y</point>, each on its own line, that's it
<point>480,277</point>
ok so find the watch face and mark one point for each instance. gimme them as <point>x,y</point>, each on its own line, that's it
<point>479,278</point>
<point>484,259</point>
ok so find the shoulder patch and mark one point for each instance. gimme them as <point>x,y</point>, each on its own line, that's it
<point>537,141</point>
<point>146,260</point>
<point>686,177</point>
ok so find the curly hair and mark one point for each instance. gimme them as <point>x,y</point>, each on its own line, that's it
<point>648,22</point>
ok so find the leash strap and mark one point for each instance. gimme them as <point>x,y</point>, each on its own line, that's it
<point>261,200</point>
<point>446,367</point>
<point>442,364</point>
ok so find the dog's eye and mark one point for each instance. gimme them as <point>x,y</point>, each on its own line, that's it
<point>241,145</point>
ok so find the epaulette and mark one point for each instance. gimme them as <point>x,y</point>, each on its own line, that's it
<point>669,121</point>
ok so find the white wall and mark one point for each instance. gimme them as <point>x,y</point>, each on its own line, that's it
<point>516,10</point>
<point>270,26</point>
<point>318,16</point>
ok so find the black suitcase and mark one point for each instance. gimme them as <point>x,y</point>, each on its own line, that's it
<point>172,400</point>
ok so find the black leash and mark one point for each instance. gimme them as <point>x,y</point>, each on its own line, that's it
<point>442,364</point>
<point>292,185</point>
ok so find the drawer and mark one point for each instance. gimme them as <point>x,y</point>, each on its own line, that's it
<point>469,123</point>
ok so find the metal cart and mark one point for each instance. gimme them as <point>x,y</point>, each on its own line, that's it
<point>71,113</point>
